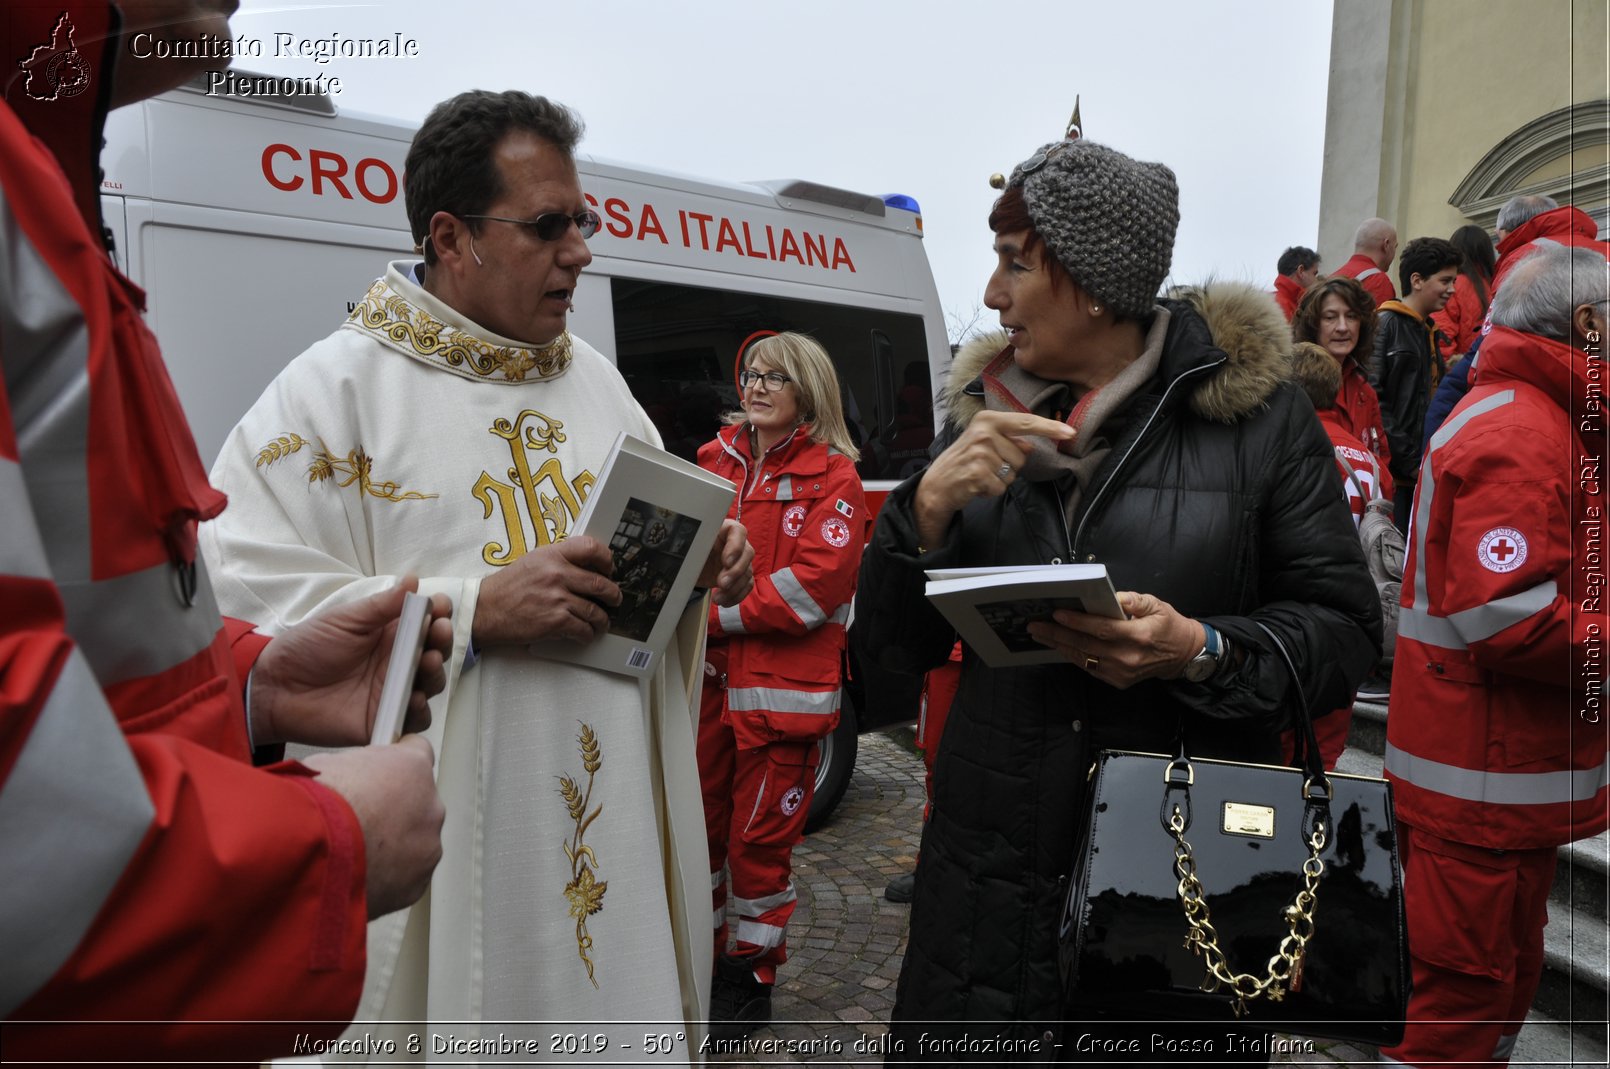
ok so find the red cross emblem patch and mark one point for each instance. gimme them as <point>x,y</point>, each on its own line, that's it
<point>836,531</point>
<point>794,520</point>
<point>1503,549</point>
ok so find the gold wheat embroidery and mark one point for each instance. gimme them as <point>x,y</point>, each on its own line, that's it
<point>355,467</point>
<point>585,891</point>
<point>279,448</point>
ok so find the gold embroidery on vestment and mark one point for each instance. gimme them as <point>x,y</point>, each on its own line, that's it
<point>390,315</point>
<point>585,891</point>
<point>550,514</point>
<point>280,447</point>
<point>355,467</point>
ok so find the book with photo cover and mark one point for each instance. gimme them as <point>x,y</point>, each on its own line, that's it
<point>659,515</point>
<point>991,608</point>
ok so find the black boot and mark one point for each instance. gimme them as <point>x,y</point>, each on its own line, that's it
<point>738,1002</point>
<point>901,888</point>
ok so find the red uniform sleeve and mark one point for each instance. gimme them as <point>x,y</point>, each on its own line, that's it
<point>246,644</point>
<point>150,878</point>
<point>1504,581</point>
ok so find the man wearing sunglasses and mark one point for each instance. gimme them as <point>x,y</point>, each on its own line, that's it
<point>451,428</point>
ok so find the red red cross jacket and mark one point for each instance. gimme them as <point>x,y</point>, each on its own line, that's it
<point>1358,411</point>
<point>1376,282</point>
<point>803,509</point>
<point>1497,734</point>
<point>1564,225</point>
<point>152,874</point>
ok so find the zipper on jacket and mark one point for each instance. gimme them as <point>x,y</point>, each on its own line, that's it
<point>1073,544</point>
<point>760,475</point>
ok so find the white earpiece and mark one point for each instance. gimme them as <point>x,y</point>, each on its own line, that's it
<point>475,254</point>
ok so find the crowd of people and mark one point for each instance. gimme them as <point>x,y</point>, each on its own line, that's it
<point>191,875</point>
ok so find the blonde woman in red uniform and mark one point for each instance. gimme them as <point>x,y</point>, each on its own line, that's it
<point>772,668</point>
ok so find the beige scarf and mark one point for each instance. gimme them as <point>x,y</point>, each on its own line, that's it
<point>1008,388</point>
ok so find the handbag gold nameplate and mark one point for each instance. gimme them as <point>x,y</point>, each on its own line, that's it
<point>1239,818</point>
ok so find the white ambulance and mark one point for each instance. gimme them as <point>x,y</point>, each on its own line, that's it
<point>255,224</point>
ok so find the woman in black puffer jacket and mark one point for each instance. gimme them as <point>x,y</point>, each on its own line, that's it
<point>1162,439</point>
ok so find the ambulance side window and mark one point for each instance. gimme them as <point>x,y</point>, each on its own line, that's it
<point>677,345</point>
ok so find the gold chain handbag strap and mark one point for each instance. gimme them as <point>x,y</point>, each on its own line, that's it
<point>1285,969</point>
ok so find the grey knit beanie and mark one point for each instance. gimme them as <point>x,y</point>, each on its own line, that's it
<point>1108,219</point>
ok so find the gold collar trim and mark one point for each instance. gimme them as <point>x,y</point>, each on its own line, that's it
<point>392,319</point>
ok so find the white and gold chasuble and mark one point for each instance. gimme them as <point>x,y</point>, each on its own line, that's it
<point>574,885</point>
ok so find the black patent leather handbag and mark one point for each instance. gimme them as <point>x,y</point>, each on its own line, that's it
<point>1215,891</point>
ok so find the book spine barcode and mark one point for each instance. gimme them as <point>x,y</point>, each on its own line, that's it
<point>639,658</point>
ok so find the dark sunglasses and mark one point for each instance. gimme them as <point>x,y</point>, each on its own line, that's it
<point>551,226</point>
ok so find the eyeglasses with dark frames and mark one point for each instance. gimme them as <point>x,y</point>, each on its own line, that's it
<point>551,226</point>
<point>774,380</point>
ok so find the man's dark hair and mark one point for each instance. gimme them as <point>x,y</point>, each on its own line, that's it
<point>1295,258</point>
<point>450,166</point>
<point>1425,257</point>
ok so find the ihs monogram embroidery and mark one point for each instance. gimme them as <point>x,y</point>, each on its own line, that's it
<point>550,514</point>
<point>585,891</point>
<point>355,467</point>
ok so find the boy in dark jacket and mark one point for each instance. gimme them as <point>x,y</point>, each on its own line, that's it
<point>1408,361</point>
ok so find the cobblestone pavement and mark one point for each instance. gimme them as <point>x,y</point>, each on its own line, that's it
<point>846,942</point>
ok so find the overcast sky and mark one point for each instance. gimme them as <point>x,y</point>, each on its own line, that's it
<point>922,98</point>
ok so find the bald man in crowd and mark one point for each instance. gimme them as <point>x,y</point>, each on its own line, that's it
<point>1375,244</point>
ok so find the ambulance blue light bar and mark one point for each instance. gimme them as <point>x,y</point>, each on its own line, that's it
<point>905,203</point>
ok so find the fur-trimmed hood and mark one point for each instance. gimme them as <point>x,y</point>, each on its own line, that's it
<point>1239,319</point>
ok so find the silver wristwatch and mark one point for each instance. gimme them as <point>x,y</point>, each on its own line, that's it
<point>1201,668</point>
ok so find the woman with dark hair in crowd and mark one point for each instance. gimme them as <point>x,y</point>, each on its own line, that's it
<point>1461,318</point>
<point>1338,315</point>
<point>1163,439</point>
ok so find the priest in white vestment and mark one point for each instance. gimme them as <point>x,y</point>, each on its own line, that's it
<point>431,435</point>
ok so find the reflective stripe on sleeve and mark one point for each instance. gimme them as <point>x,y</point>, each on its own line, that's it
<point>21,552</point>
<point>777,700</point>
<point>1425,493</point>
<point>1478,623</point>
<point>44,342</point>
<point>731,620</point>
<point>74,772</point>
<point>1498,788</point>
<point>795,597</point>
<point>103,614</point>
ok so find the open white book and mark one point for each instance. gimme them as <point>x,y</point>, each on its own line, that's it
<point>659,516</point>
<point>991,608</point>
